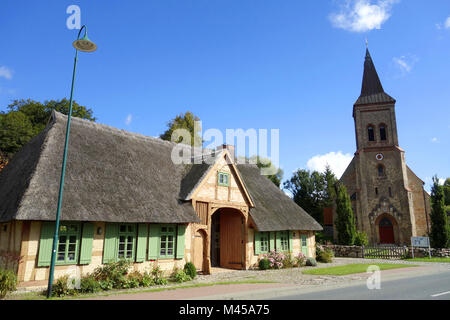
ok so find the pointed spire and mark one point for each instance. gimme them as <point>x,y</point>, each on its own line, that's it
<point>372,91</point>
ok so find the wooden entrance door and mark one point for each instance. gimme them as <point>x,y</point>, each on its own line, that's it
<point>199,250</point>
<point>231,229</point>
<point>386,231</point>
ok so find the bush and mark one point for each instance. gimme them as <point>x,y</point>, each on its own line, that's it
<point>264,264</point>
<point>147,280</point>
<point>322,238</point>
<point>300,259</point>
<point>61,287</point>
<point>190,270</point>
<point>179,276</point>
<point>88,284</point>
<point>311,262</point>
<point>361,239</point>
<point>8,281</point>
<point>133,280</point>
<point>288,262</point>
<point>325,255</point>
<point>275,259</point>
<point>113,275</point>
<point>158,277</point>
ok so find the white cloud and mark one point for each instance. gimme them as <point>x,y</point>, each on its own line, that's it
<point>362,15</point>
<point>5,72</point>
<point>129,119</point>
<point>337,161</point>
<point>434,140</point>
<point>405,63</point>
<point>401,62</point>
<point>447,23</point>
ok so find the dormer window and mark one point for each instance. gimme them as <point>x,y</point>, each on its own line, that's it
<point>223,179</point>
<point>371,133</point>
<point>382,132</point>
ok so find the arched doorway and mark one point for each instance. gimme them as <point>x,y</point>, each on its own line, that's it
<point>386,230</point>
<point>227,239</point>
<point>199,253</point>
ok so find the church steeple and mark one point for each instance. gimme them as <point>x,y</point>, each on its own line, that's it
<point>372,91</point>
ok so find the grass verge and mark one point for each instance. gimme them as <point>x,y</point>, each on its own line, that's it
<point>353,268</point>
<point>430,260</point>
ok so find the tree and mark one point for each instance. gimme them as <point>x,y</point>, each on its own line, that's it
<point>184,121</point>
<point>447,192</point>
<point>439,235</point>
<point>345,221</point>
<point>26,118</point>
<point>330,183</point>
<point>266,163</point>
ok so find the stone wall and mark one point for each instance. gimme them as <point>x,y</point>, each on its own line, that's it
<point>423,253</point>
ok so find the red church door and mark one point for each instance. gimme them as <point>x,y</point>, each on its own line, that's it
<point>386,231</point>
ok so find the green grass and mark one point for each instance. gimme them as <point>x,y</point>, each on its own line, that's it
<point>430,260</point>
<point>353,268</point>
<point>41,295</point>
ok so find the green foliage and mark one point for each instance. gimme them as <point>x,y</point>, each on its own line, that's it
<point>88,284</point>
<point>8,281</point>
<point>313,191</point>
<point>187,122</point>
<point>322,238</point>
<point>361,239</point>
<point>266,163</point>
<point>147,280</point>
<point>324,255</point>
<point>345,221</point>
<point>264,264</point>
<point>288,261</point>
<point>439,235</point>
<point>26,118</point>
<point>61,287</point>
<point>158,276</point>
<point>447,192</point>
<point>300,260</point>
<point>311,262</point>
<point>112,275</point>
<point>190,270</point>
<point>178,275</point>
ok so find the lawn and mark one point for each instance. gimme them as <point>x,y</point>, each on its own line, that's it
<point>430,260</point>
<point>353,268</point>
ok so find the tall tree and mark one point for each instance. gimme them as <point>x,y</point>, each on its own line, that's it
<point>26,118</point>
<point>439,234</point>
<point>447,192</point>
<point>330,183</point>
<point>184,121</point>
<point>345,221</point>
<point>266,163</point>
<point>308,190</point>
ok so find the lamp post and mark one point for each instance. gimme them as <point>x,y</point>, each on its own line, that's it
<point>85,45</point>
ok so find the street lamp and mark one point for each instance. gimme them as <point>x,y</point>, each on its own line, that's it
<point>85,45</point>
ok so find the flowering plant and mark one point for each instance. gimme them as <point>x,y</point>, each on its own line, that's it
<point>300,259</point>
<point>275,259</point>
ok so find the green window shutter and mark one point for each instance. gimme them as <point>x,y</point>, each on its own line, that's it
<point>45,244</point>
<point>278,241</point>
<point>272,241</point>
<point>290,241</point>
<point>304,244</point>
<point>110,245</point>
<point>180,241</point>
<point>153,242</point>
<point>257,243</point>
<point>87,238</point>
<point>141,249</point>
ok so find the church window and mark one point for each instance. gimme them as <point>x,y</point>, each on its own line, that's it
<point>382,132</point>
<point>380,170</point>
<point>376,191</point>
<point>371,133</point>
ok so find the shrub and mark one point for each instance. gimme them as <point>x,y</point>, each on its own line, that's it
<point>113,275</point>
<point>311,262</point>
<point>275,259</point>
<point>133,280</point>
<point>288,262</point>
<point>190,270</point>
<point>179,276</point>
<point>158,277</point>
<point>147,280</point>
<point>325,255</point>
<point>61,287</point>
<point>322,238</point>
<point>361,239</point>
<point>8,281</point>
<point>300,259</point>
<point>88,284</point>
<point>264,264</point>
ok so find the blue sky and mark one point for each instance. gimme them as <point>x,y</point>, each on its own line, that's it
<point>293,65</point>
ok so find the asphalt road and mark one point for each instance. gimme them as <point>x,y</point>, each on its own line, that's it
<point>426,287</point>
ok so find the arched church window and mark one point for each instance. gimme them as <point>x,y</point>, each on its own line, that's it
<point>380,170</point>
<point>382,132</point>
<point>371,133</point>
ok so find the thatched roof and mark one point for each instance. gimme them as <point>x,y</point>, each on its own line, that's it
<point>273,210</point>
<point>117,176</point>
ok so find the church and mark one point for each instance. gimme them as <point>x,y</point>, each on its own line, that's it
<point>388,200</point>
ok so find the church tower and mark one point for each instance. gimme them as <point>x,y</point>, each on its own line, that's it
<point>388,199</point>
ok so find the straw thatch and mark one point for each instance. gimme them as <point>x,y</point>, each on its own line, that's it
<point>117,176</point>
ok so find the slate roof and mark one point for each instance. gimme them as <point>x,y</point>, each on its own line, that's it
<point>372,91</point>
<point>117,176</point>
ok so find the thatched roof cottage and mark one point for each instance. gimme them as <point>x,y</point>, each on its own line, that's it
<point>125,198</point>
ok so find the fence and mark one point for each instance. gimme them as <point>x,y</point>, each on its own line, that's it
<point>384,252</point>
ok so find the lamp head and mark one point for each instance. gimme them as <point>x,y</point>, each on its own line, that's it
<point>85,44</point>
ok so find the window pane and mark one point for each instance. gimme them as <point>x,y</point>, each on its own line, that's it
<point>123,228</point>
